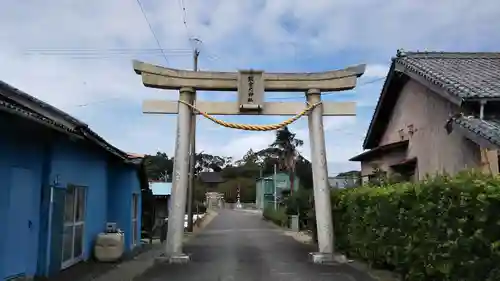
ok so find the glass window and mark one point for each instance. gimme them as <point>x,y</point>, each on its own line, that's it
<point>78,240</point>
<point>80,204</point>
<point>69,205</point>
<point>67,243</point>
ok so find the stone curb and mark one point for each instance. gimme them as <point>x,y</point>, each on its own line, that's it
<point>200,225</point>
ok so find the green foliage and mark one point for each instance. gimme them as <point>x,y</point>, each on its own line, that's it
<point>299,203</point>
<point>351,176</point>
<point>442,229</point>
<point>284,148</point>
<point>158,167</point>
<point>278,216</point>
<point>230,187</point>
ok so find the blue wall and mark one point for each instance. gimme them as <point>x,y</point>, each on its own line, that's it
<point>73,164</point>
<point>122,183</point>
<point>57,163</point>
<point>17,151</point>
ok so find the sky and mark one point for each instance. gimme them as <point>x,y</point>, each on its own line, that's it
<point>77,56</point>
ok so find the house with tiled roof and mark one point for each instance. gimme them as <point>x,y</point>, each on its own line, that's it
<point>437,112</point>
<point>61,184</point>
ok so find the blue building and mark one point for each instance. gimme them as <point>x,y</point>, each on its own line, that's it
<point>60,184</point>
<point>264,191</point>
<point>161,195</point>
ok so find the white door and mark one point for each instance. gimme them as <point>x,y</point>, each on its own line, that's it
<point>135,204</point>
<point>74,217</point>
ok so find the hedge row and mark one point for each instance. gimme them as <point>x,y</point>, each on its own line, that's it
<point>444,228</point>
<point>277,216</point>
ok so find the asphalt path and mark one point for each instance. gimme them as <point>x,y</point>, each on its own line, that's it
<point>240,246</point>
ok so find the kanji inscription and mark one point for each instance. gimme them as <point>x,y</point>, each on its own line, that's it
<point>250,89</point>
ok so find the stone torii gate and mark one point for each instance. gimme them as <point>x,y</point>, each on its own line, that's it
<point>251,86</point>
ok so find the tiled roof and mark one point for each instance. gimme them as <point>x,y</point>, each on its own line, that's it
<point>15,101</point>
<point>12,94</point>
<point>375,152</point>
<point>13,108</point>
<point>135,155</point>
<point>488,129</point>
<point>465,75</point>
<point>460,76</point>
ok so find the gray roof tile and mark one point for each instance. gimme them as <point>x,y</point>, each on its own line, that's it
<point>8,104</point>
<point>462,76</point>
<point>488,129</point>
<point>465,75</point>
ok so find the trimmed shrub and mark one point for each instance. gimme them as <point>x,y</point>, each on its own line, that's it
<point>278,216</point>
<point>441,229</point>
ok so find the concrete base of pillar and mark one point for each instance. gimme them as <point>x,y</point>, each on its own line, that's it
<point>325,258</point>
<point>175,259</point>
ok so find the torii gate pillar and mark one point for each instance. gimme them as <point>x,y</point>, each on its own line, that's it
<point>175,232</point>
<point>322,202</point>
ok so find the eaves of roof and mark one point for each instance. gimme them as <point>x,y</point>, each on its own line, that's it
<point>14,109</point>
<point>456,76</point>
<point>372,153</point>
<point>27,106</point>
<point>484,132</point>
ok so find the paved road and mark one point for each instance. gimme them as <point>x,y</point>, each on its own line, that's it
<point>239,246</point>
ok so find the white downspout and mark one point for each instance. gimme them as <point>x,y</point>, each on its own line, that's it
<point>484,152</point>
<point>481,109</point>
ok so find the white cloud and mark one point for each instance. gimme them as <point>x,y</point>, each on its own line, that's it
<point>376,71</point>
<point>235,34</point>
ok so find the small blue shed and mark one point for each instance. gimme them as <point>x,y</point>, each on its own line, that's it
<point>61,184</point>
<point>264,193</point>
<point>161,193</point>
<point>159,188</point>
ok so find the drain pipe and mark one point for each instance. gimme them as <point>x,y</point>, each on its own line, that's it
<point>481,109</point>
<point>484,152</point>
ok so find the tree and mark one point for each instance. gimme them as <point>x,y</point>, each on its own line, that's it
<point>285,148</point>
<point>211,163</point>
<point>159,167</point>
<point>303,168</point>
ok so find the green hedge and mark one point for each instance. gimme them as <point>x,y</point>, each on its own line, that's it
<point>278,216</point>
<point>440,229</point>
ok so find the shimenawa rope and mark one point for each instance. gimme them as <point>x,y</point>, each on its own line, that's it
<point>253,127</point>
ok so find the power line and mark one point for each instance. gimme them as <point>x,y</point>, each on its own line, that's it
<point>182,5</point>
<point>184,13</point>
<point>96,102</point>
<point>101,50</point>
<point>105,54</point>
<point>151,29</point>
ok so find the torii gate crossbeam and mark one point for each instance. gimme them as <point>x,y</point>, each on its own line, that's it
<point>251,86</point>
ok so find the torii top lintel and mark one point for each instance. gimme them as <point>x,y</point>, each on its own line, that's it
<point>169,78</point>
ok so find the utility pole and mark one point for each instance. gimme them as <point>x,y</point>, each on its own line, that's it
<point>274,183</point>
<point>192,160</point>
